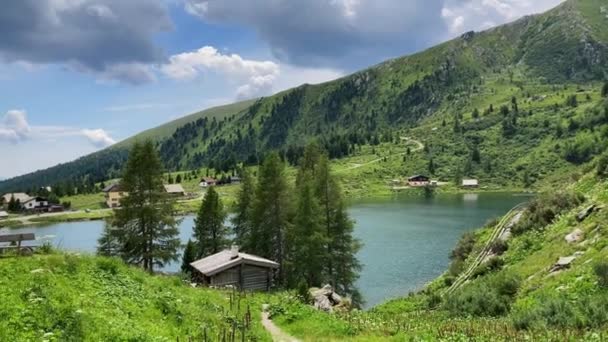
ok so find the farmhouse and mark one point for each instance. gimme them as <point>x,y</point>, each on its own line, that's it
<point>36,204</point>
<point>470,183</point>
<point>233,268</point>
<point>20,196</point>
<point>3,215</point>
<point>207,182</point>
<point>418,181</point>
<point>113,195</point>
<point>175,190</point>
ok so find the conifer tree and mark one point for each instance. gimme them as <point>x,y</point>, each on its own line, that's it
<point>188,257</point>
<point>210,232</point>
<point>341,268</point>
<point>241,221</point>
<point>605,89</point>
<point>306,238</point>
<point>270,213</point>
<point>144,231</point>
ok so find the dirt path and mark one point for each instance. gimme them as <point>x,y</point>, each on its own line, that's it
<point>406,139</point>
<point>277,334</point>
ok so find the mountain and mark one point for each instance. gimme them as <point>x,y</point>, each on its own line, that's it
<point>515,103</point>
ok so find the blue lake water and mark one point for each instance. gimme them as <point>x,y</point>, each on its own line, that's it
<point>407,240</point>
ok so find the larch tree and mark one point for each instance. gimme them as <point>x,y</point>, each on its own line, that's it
<point>270,213</point>
<point>188,257</point>
<point>144,231</point>
<point>241,221</point>
<point>210,232</point>
<point>306,238</point>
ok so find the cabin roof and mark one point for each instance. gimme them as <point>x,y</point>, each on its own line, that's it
<point>417,177</point>
<point>112,188</point>
<point>21,196</point>
<point>174,188</point>
<point>224,260</point>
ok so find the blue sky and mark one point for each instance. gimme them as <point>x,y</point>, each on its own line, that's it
<point>79,75</point>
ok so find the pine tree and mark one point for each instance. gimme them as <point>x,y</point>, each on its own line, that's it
<point>475,113</point>
<point>210,232</point>
<point>144,231</point>
<point>306,239</point>
<point>241,222</point>
<point>605,89</point>
<point>431,167</point>
<point>271,212</point>
<point>178,179</point>
<point>188,257</point>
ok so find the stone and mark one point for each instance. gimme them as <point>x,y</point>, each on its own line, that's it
<point>336,298</point>
<point>562,263</point>
<point>582,215</point>
<point>576,236</point>
<point>323,303</point>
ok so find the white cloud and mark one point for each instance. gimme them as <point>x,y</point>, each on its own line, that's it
<point>255,77</point>
<point>461,16</point>
<point>98,137</point>
<point>15,128</point>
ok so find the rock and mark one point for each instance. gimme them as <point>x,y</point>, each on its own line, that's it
<point>335,298</point>
<point>581,216</point>
<point>323,303</point>
<point>576,236</point>
<point>562,263</point>
<point>39,270</point>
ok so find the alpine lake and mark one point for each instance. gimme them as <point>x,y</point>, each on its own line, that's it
<point>406,240</point>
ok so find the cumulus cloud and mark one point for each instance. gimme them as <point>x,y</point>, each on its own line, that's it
<point>468,15</point>
<point>15,128</point>
<point>256,77</point>
<point>98,137</point>
<point>110,38</point>
<point>341,34</point>
<point>348,34</point>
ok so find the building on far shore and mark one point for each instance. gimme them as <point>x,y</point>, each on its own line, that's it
<point>22,197</point>
<point>207,182</point>
<point>39,204</point>
<point>175,190</point>
<point>230,267</point>
<point>3,215</point>
<point>113,195</point>
<point>418,181</point>
<point>470,183</point>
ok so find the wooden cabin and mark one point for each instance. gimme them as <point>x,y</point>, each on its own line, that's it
<point>231,267</point>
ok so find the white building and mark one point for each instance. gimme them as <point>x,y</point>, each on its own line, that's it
<point>470,183</point>
<point>35,203</point>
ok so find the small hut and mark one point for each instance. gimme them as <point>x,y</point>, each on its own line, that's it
<point>233,268</point>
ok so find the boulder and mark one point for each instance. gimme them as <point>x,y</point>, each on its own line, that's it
<point>326,299</point>
<point>576,236</point>
<point>583,214</point>
<point>562,263</point>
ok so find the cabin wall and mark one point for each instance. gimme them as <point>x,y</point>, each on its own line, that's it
<point>254,278</point>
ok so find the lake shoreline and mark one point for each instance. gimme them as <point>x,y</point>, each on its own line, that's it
<point>186,208</point>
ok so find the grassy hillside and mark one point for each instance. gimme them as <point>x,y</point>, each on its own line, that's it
<point>497,105</point>
<point>166,130</point>
<point>67,297</point>
<point>512,295</point>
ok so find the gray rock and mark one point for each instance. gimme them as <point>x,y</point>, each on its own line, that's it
<point>323,303</point>
<point>585,213</point>
<point>576,236</point>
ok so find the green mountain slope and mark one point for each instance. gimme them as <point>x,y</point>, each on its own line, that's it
<point>540,61</point>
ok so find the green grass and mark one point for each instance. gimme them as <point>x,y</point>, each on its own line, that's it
<point>86,201</point>
<point>69,297</point>
<point>531,313</point>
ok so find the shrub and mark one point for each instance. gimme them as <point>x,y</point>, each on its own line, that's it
<point>464,247</point>
<point>490,297</point>
<point>601,271</point>
<point>433,301</point>
<point>499,247</point>
<point>543,210</point>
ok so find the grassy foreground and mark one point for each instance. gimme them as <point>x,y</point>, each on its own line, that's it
<point>68,297</point>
